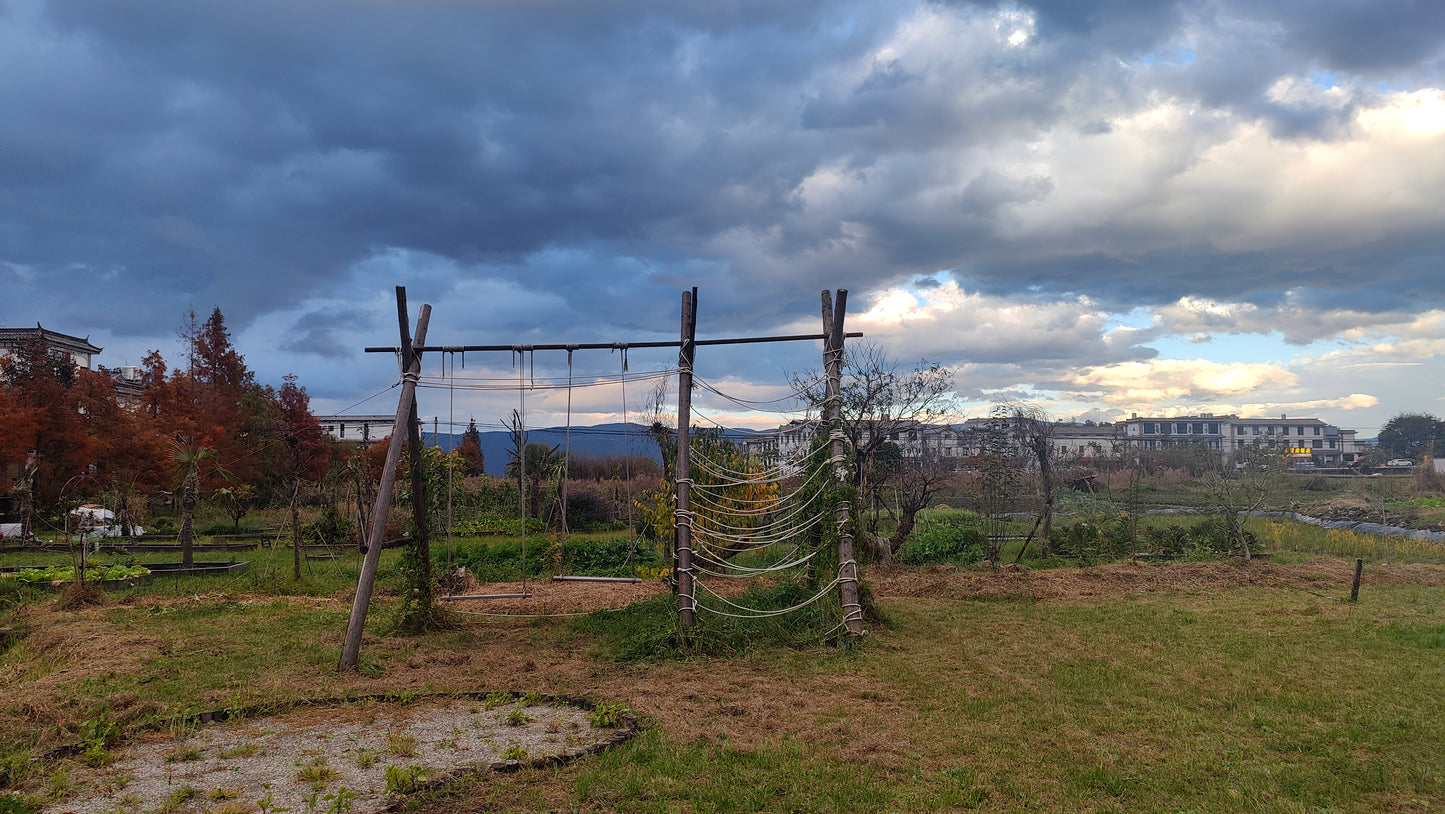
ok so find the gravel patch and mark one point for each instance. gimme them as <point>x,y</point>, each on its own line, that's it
<point>303,759</point>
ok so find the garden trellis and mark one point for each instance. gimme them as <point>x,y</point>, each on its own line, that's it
<point>705,523</point>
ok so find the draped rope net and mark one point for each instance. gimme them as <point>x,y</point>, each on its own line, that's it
<point>752,516</point>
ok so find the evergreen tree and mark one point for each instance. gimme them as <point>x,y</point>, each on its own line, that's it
<point>471,449</point>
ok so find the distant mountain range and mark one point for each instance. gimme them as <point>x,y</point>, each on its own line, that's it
<point>612,440</point>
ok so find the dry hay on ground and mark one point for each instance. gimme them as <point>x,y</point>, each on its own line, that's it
<point>295,759</point>
<point>1102,581</point>
<point>550,598</point>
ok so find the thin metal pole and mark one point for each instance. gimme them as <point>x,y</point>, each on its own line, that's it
<point>686,602</point>
<point>833,365</point>
<point>405,412</point>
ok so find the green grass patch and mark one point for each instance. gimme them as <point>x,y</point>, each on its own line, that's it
<point>649,630</point>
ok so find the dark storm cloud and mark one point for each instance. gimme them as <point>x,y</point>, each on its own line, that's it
<point>579,163</point>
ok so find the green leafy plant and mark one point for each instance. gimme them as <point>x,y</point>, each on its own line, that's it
<point>97,734</point>
<point>944,543</point>
<point>223,793</point>
<point>11,804</point>
<point>515,752</point>
<point>404,779</point>
<point>340,800</point>
<point>608,715</point>
<point>518,717</point>
<point>497,699</point>
<point>267,804</point>
<point>532,699</point>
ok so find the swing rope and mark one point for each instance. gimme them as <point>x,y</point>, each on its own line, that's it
<point>522,455</point>
<point>627,471</point>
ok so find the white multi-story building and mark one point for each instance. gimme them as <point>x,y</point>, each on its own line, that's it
<point>1306,439</point>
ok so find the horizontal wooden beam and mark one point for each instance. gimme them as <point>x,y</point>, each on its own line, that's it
<point>748,340</point>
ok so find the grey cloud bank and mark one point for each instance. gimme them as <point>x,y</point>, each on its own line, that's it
<point>553,171</point>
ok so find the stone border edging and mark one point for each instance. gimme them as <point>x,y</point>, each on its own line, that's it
<point>628,729</point>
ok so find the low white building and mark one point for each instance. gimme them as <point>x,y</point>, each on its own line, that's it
<point>363,429</point>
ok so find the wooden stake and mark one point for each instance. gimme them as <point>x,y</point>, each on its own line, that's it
<point>1355,587</point>
<point>405,413</point>
<point>686,601</point>
<point>421,518</point>
<point>833,366</point>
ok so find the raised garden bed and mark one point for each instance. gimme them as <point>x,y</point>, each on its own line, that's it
<point>200,569</point>
<point>112,576</point>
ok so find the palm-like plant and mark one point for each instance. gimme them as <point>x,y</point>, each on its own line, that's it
<point>188,456</point>
<point>543,463</point>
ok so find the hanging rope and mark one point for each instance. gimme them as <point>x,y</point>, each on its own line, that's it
<point>566,463</point>
<point>451,425</point>
<point>522,452</point>
<point>627,465</point>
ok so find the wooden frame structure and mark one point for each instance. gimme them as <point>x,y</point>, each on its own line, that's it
<point>413,346</point>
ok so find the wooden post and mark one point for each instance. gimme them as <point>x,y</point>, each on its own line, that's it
<point>421,518</point>
<point>686,600</point>
<point>833,366</point>
<point>1355,587</point>
<point>405,413</point>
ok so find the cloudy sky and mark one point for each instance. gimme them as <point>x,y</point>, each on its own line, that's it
<point>1100,207</point>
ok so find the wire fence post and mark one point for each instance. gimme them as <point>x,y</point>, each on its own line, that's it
<point>833,366</point>
<point>686,600</point>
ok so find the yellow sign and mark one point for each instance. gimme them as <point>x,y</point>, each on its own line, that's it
<point>1301,451</point>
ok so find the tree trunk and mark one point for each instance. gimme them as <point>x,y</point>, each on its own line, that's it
<point>27,512</point>
<point>295,530</point>
<point>188,517</point>
<point>1046,480</point>
<point>906,520</point>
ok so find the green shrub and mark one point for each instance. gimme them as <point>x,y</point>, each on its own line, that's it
<point>484,526</point>
<point>1092,541</point>
<point>1208,539</point>
<point>606,557</point>
<point>329,529</point>
<point>958,544</point>
<point>501,561</point>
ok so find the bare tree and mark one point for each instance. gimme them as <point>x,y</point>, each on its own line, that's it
<point>997,481</point>
<point>918,479</point>
<point>1034,431</point>
<point>881,401</point>
<point>1239,493</point>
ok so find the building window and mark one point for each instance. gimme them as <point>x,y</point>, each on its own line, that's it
<point>1148,427</point>
<point>1181,428</point>
<point>1213,428</point>
<point>1269,430</point>
<point>1198,428</point>
<point>1317,430</point>
<point>342,432</point>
